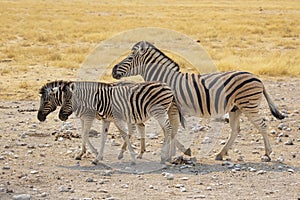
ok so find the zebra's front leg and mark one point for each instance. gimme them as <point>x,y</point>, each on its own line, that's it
<point>123,148</point>
<point>85,128</point>
<point>105,127</point>
<point>141,130</point>
<point>234,120</point>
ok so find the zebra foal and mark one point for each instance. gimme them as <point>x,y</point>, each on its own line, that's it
<point>203,95</point>
<point>51,98</point>
<point>129,103</point>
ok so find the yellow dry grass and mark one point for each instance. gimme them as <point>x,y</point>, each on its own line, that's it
<point>261,36</point>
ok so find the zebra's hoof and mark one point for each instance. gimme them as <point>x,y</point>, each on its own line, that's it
<point>120,156</point>
<point>77,158</point>
<point>132,163</point>
<point>95,162</point>
<point>188,152</point>
<point>265,158</point>
<point>219,157</point>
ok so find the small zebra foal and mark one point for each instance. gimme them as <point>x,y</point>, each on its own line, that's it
<point>132,103</point>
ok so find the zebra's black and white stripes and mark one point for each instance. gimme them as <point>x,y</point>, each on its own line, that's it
<point>128,103</point>
<point>205,95</point>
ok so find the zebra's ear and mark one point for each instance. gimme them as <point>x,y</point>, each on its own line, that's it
<point>54,90</point>
<point>143,46</point>
<point>72,87</point>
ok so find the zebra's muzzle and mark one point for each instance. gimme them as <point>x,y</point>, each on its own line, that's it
<point>115,75</point>
<point>62,117</point>
<point>41,117</point>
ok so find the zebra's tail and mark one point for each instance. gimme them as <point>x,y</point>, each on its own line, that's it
<point>272,106</point>
<point>181,117</point>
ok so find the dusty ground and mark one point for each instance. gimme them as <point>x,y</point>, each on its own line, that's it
<point>34,160</point>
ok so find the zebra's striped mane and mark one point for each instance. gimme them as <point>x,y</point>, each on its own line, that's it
<point>50,85</point>
<point>146,44</point>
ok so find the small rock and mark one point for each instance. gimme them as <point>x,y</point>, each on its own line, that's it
<point>240,158</point>
<point>273,132</point>
<point>278,139</point>
<point>293,154</point>
<point>184,178</point>
<point>290,142</point>
<point>151,187</point>
<point>252,169</point>
<point>223,142</point>
<point>200,196</point>
<point>102,191</point>
<point>6,167</point>
<point>34,172</point>
<point>261,172</point>
<point>169,176</point>
<point>2,158</point>
<point>125,186</point>
<point>107,173</point>
<point>280,159</point>
<point>280,167</point>
<point>280,134</point>
<point>209,188</point>
<point>89,180</point>
<point>43,154</point>
<point>255,152</point>
<point>63,189</point>
<point>22,197</point>
<point>182,189</point>
<point>236,151</point>
<point>206,140</point>
<point>31,146</point>
<point>44,194</point>
<point>228,164</point>
<point>179,185</point>
<point>291,170</point>
<point>2,190</point>
<point>281,126</point>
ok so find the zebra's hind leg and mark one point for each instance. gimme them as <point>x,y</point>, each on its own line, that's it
<point>141,130</point>
<point>169,141</point>
<point>234,121</point>
<point>105,127</point>
<point>174,121</point>
<point>126,138</point>
<point>259,123</point>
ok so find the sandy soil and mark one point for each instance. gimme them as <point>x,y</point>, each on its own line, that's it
<point>37,159</point>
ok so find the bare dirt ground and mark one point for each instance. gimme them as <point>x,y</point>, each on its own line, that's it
<point>37,159</point>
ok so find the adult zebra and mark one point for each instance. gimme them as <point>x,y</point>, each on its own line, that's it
<point>205,95</point>
<point>131,103</point>
<point>51,97</point>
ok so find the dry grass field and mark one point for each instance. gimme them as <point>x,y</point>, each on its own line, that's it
<point>36,36</point>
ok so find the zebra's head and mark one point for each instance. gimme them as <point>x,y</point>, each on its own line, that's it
<point>133,64</point>
<point>50,99</point>
<point>66,107</point>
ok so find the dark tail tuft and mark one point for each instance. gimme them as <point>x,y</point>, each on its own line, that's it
<point>272,106</point>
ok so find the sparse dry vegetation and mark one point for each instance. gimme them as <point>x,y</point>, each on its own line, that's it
<point>257,36</point>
